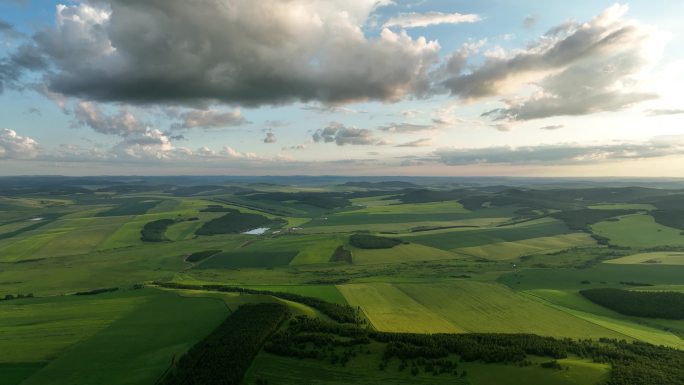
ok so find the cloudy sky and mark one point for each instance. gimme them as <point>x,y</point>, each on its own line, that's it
<point>355,87</point>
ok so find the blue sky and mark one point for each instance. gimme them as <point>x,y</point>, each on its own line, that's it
<point>367,87</point>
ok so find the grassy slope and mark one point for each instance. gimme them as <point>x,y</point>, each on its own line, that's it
<point>648,330</point>
<point>39,329</point>
<point>363,370</point>
<point>462,307</point>
<point>141,344</point>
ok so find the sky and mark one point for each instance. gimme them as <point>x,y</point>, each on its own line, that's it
<point>354,87</point>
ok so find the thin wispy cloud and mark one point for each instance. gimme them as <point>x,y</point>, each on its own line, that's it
<point>414,20</point>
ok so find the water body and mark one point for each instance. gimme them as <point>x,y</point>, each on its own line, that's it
<point>257,231</point>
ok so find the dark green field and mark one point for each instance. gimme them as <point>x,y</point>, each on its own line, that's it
<point>340,282</point>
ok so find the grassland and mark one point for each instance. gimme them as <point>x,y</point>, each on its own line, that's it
<point>504,265</point>
<point>460,239</point>
<point>143,342</point>
<point>411,252</point>
<point>516,249</point>
<point>364,371</point>
<point>639,231</point>
<point>462,306</point>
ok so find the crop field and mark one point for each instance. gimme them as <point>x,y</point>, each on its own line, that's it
<point>461,239</point>
<point>79,284</point>
<point>639,231</point>
<point>243,259</point>
<point>661,257</point>
<point>462,307</point>
<point>516,249</point>
<point>411,252</point>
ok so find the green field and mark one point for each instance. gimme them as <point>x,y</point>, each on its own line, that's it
<point>512,250</point>
<point>639,231</point>
<point>402,253</point>
<point>470,238</point>
<point>662,257</point>
<point>143,341</point>
<point>462,307</point>
<point>503,267</point>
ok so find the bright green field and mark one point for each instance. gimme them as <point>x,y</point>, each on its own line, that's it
<point>639,231</point>
<point>462,306</point>
<point>401,253</point>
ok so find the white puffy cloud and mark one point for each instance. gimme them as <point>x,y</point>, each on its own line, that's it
<point>414,19</point>
<point>124,123</point>
<point>575,68</point>
<point>342,135</point>
<point>14,146</point>
<point>422,142</point>
<point>210,118</point>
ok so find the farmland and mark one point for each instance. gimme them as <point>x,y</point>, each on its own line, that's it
<point>130,277</point>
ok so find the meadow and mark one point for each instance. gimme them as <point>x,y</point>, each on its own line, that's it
<point>128,277</point>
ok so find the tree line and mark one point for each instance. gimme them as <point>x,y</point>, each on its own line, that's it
<point>337,312</point>
<point>632,363</point>
<point>651,304</point>
<point>223,357</point>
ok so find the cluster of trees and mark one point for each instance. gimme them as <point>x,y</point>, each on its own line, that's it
<point>655,304</point>
<point>155,231</point>
<point>223,357</point>
<point>671,218</point>
<point>97,291</point>
<point>633,363</point>
<point>8,297</point>
<point>201,255</point>
<point>337,312</point>
<point>582,219</point>
<point>316,339</point>
<point>236,222</point>
<point>341,255</point>
<point>367,241</point>
<point>218,209</point>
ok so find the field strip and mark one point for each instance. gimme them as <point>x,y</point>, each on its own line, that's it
<point>511,250</point>
<point>389,309</point>
<point>662,258</point>
<point>481,307</point>
<point>628,329</point>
